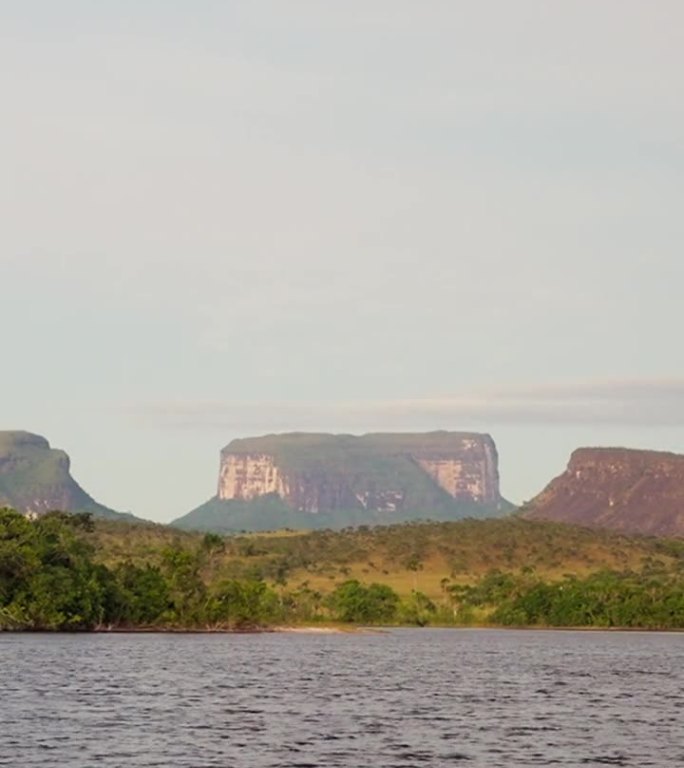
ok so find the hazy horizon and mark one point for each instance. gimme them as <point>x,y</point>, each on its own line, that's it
<point>255,217</point>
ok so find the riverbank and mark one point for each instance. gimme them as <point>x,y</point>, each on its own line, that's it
<point>349,629</point>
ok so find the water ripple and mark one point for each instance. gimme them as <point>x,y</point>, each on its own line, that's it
<point>403,699</point>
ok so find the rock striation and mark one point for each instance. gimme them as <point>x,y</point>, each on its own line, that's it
<point>627,490</point>
<point>35,478</point>
<point>326,480</point>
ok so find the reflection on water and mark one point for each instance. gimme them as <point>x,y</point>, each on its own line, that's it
<point>403,698</point>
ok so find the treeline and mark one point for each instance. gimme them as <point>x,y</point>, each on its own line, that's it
<point>50,580</point>
<point>52,577</point>
<point>650,599</point>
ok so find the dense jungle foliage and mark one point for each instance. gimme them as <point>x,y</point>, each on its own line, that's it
<point>69,572</point>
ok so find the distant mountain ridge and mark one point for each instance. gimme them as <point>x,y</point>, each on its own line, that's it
<point>626,490</point>
<point>35,478</point>
<point>303,480</point>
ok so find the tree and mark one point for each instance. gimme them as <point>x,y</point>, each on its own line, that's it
<point>242,603</point>
<point>186,587</point>
<point>372,604</point>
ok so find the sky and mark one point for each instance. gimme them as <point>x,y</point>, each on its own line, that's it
<point>222,219</point>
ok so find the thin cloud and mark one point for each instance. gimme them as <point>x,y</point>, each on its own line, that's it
<point>627,402</point>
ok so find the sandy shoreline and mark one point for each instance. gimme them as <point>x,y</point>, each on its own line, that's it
<point>327,630</point>
<point>279,629</point>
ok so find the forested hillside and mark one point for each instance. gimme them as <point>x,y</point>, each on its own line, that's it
<point>70,572</point>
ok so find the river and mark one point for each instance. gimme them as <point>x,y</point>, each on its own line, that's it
<point>401,698</point>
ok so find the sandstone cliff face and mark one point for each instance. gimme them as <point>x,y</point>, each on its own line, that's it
<point>246,476</point>
<point>472,474</point>
<point>630,491</point>
<point>380,473</point>
<point>35,478</point>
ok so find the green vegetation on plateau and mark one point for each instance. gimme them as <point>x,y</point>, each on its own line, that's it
<point>350,454</point>
<point>35,477</point>
<point>70,572</point>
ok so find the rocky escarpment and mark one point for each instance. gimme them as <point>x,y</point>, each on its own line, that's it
<point>626,490</point>
<point>35,478</point>
<point>314,480</point>
<point>372,471</point>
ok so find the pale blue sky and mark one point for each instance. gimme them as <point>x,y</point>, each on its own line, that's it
<point>225,218</point>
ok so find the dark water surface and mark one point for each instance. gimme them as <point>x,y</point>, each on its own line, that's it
<point>404,698</point>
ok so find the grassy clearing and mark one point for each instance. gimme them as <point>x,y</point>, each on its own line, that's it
<point>427,557</point>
